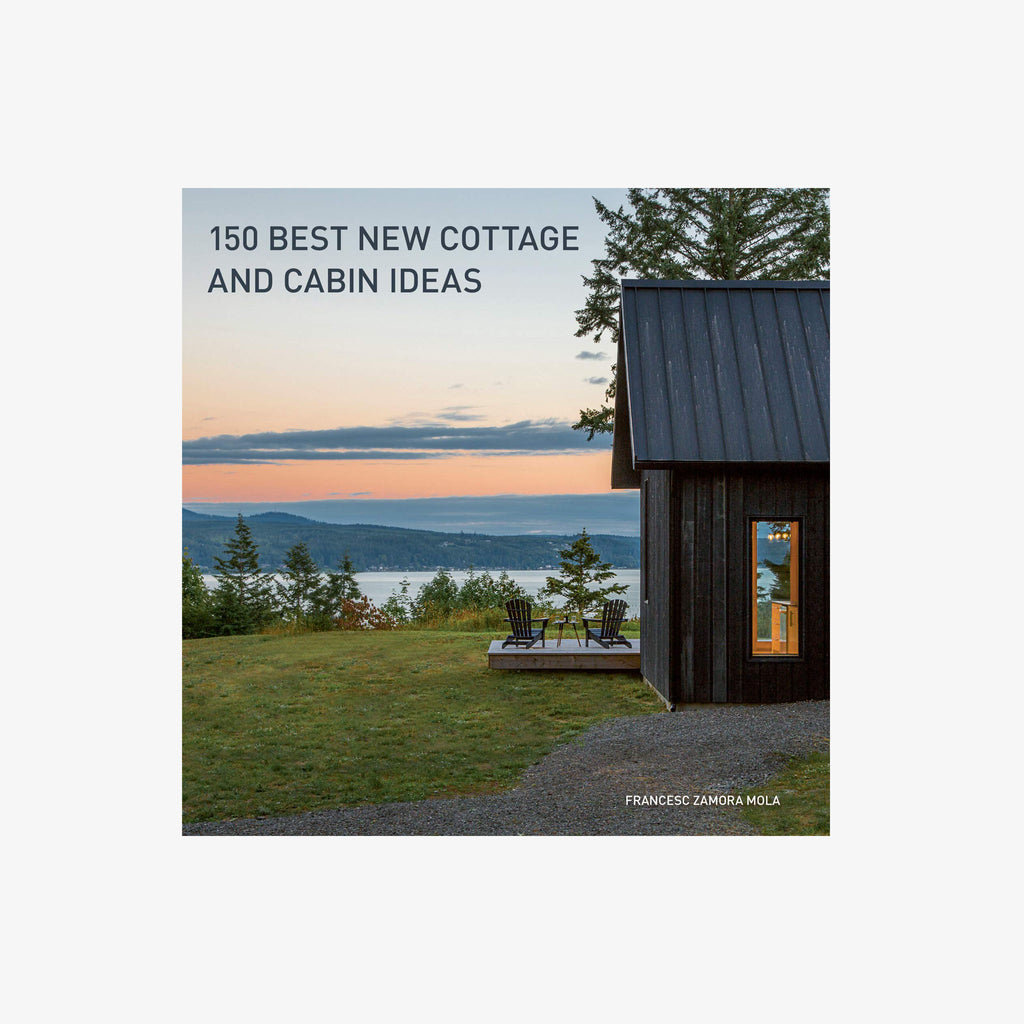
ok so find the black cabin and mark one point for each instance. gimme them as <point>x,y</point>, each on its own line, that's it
<point>722,421</point>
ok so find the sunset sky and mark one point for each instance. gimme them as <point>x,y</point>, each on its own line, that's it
<point>296,396</point>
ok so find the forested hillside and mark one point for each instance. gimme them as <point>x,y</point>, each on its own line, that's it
<point>384,547</point>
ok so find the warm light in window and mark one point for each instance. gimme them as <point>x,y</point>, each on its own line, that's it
<point>775,587</point>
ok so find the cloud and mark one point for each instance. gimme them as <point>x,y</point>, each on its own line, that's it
<point>261,457</point>
<point>423,420</point>
<point>597,380</point>
<point>458,413</point>
<point>420,441</point>
<point>591,355</point>
<point>452,387</point>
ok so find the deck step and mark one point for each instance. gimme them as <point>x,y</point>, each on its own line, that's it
<point>569,657</point>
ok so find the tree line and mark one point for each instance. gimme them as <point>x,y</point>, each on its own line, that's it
<point>387,547</point>
<point>249,600</point>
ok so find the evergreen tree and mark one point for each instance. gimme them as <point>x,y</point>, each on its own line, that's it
<point>684,234</point>
<point>301,586</point>
<point>193,587</point>
<point>339,586</point>
<point>582,572</point>
<point>196,602</point>
<point>244,597</point>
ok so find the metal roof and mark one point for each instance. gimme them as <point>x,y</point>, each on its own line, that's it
<point>722,371</point>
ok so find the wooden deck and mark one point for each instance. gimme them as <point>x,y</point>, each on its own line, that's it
<point>569,657</point>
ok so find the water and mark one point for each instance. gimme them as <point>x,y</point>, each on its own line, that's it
<point>379,586</point>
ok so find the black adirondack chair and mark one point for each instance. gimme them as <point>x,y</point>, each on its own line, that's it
<point>608,634</point>
<point>523,632</point>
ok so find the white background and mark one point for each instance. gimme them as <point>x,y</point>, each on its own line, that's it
<point>905,111</point>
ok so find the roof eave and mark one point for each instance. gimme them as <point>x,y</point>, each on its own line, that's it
<point>727,463</point>
<point>706,283</point>
<point>624,472</point>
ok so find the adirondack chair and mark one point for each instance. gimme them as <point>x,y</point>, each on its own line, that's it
<point>608,634</point>
<point>523,633</point>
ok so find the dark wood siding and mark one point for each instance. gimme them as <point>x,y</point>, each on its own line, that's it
<point>658,605</point>
<point>696,625</point>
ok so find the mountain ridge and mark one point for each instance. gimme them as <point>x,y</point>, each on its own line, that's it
<point>615,512</point>
<point>394,548</point>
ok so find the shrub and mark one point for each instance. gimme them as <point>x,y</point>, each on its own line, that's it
<point>484,591</point>
<point>478,604</point>
<point>436,599</point>
<point>362,613</point>
<point>399,606</point>
<point>467,620</point>
<point>197,621</point>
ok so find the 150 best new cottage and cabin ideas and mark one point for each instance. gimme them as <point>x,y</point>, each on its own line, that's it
<point>722,422</point>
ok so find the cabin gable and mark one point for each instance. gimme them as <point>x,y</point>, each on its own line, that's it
<point>721,421</point>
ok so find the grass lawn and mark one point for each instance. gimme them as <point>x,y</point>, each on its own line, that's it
<point>803,791</point>
<point>274,725</point>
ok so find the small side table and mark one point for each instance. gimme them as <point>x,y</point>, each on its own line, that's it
<point>561,624</point>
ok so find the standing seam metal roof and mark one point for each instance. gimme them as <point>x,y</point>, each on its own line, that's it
<point>726,371</point>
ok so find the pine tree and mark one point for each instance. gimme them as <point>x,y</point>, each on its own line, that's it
<point>301,586</point>
<point>684,234</point>
<point>339,586</point>
<point>582,572</point>
<point>196,602</point>
<point>244,597</point>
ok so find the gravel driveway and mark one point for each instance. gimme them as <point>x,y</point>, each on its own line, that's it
<point>581,787</point>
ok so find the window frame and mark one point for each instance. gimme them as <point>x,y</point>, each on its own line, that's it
<point>749,571</point>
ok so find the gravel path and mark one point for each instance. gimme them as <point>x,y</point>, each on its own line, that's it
<point>580,788</point>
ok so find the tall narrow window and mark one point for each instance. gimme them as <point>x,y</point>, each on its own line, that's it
<point>775,583</point>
